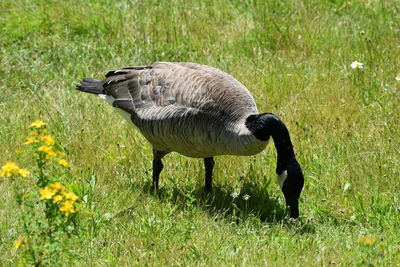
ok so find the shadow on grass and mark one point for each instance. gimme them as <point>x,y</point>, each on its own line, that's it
<point>260,204</point>
<point>222,204</point>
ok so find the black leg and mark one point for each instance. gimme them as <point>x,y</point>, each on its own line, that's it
<point>209,165</point>
<point>157,167</point>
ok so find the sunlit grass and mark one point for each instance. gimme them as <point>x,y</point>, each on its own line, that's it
<point>294,56</point>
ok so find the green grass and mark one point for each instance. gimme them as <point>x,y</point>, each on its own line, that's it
<point>294,56</point>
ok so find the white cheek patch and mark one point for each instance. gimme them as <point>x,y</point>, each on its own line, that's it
<point>281,178</point>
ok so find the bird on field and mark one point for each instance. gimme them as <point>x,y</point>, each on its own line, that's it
<point>200,112</point>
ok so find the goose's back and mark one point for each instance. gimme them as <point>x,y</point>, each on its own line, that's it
<point>193,109</point>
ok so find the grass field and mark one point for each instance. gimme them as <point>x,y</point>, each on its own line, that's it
<point>294,56</point>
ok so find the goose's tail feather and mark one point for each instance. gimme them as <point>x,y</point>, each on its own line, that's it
<point>89,85</point>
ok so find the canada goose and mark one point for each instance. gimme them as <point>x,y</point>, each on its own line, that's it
<point>200,112</point>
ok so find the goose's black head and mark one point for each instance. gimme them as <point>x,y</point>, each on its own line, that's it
<point>291,181</point>
<point>288,170</point>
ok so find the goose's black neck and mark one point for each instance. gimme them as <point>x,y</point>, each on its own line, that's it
<point>290,175</point>
<point>263,126</point>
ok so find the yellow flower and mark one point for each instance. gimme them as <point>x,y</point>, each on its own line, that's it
<point>60,194</point>
<point>53,191</point>
<point>30,140</point>
<point>57,186</point>
<point>47,193</point>
<point>8,169</point>
<point>24,172</point>
<point>11,168</point>
<point>70,195</point>
<point>67,207</point>
<point>57,198</point>
<point>48,150</point>
<point>45,148</point>
<point>367,240</point>
<point>20,241</point>
<point>48,140</point>
<point>34,133</point>
<point>63,162</point>
<point>37,124</point>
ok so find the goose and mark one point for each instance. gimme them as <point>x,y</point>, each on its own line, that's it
<point>200,112</point>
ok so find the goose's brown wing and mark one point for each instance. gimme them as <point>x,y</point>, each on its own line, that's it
<point>169,89</point>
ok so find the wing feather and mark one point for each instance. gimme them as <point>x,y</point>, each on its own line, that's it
<point>183,85</point>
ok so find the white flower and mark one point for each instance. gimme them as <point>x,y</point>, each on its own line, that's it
<point>398,77</point>
<point>234,195</point>
<point>246,197</point>
<point>346,186</point>
<point>357,65</point>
